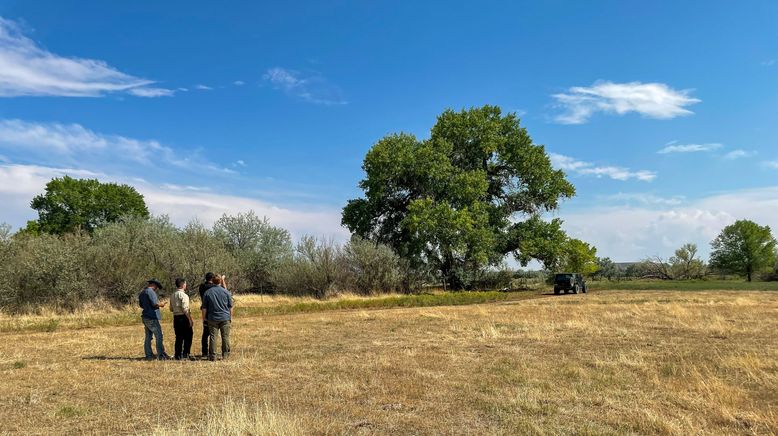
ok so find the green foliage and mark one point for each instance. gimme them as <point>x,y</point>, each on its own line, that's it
<point>127,253</point>
<point>370,268</point>
<point>456,201</point>
<point>578,257</point>
<point>541,240</point>
<point>46,269</point>
<point>84,204</point>
<point>685,265</point>
<point>607,269</point>
<point>744,248</point>
<point>259,247</point>
<point>314,268</point>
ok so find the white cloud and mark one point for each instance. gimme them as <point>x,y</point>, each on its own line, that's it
<point>311,88</point>
<point>653,100</point>
<point>152,92</point>
<point>568,163</point>
<point>688,148</point>
<point>772,164</point>
<point>181,203</point>
<point>51,143</point>
<point>632,233</point>
<point>768,63</point>
<point>203,87</point>
<point>29,70</point>
<point>739,153</point>
<point>645,199</point>
<point>238,83</point>
<point>74,139</point>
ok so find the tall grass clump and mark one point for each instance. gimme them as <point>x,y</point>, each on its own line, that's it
<point>234,418</point>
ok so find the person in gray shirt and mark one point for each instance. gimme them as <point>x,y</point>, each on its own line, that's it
<point>217,312</point>
<point>150,316</point>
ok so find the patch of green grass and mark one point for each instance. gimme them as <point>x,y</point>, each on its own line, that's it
<point>682,285</point>
<point>19,364</point>
<point>70,412</point>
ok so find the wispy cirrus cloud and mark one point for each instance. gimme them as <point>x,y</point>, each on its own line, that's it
<point>587,168</point>
<point>773,164</point>
<point>29,70</point>
<point>53,143</point>
<point>313,88</point>
<point>673,147</point>
<point>645,199</point>
<point>203,87</point>
<point>739,153</point>
<point>652,100</point>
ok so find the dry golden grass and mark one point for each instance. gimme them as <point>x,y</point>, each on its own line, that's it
<point>602,363</point>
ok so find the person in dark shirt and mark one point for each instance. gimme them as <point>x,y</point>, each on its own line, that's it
<point>201,290</point>
<point>148,301</point>
<point>217,312</point>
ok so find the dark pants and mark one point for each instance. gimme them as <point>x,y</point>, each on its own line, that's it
<point>204,339</point>
<point>223,328</point>
<point>184,334</point>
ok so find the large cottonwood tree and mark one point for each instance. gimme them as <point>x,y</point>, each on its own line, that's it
<point>462,199</point>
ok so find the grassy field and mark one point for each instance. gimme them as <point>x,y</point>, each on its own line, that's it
<point>683,285</point>
<point>610,362</point>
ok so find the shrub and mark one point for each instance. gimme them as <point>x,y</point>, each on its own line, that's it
<point>46,270</point>
<point>369,268</point>
<point>314,269</point>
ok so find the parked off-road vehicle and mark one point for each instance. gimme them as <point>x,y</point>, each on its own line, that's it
<point>569,282</point>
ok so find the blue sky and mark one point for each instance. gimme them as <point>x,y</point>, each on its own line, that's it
<point>662,114</point>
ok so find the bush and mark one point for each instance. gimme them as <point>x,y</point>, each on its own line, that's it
<point>128,253</point>
<point>370,268</point>
<point>46,270</point>
<point>314,269</point>
<point>494,279</point>
<point>258,247</point>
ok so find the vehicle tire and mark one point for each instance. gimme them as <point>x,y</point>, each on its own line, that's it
<point>575,289</point>
<point>556,290</point>
<point>583,289</point>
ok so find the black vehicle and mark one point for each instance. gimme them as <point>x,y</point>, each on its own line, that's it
<point>569,282</point>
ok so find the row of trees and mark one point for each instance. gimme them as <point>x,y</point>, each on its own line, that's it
<point>743,248</point>
<point>111,264</point>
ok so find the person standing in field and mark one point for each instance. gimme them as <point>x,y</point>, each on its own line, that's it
<point>217,311</point>
<point>148,301</point>
<point>203,288</point>
<point>182,320</point>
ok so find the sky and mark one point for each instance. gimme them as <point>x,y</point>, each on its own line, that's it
<point>664,115</point>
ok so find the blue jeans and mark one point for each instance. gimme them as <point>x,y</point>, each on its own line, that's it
<point>152,328</point>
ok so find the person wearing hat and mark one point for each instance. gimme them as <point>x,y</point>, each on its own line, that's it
<point>148,301</point>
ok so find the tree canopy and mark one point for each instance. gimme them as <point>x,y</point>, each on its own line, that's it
<point>743,248</point>
<point>466,197</point>
<point>84,204</point>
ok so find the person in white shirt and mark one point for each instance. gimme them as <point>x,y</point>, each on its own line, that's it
<point>182,320</point>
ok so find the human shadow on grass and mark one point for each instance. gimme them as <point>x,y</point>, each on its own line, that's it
<point>124,358</point>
